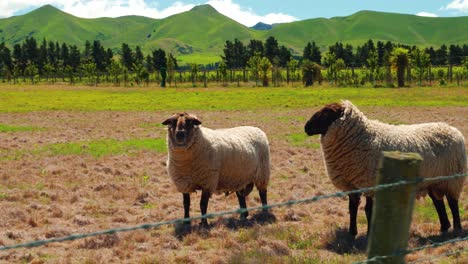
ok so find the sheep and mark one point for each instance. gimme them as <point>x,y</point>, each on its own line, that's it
<point>352,146</point>
<point>216,161</point>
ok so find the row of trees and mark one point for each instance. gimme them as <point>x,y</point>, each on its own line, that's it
<point>236,54</point>
<point>264,61</point>
<point>379,59</point>
<point>54,59</point>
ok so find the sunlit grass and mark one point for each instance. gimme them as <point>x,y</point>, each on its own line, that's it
<point>303,140</point>
<point>99,148</point>
<point>8,128</point>
<point>46,98</point>
<point>426,212</point>
<point>95,148</point>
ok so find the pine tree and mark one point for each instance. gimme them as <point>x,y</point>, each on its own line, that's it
<point>42,60</point>
<point>75,57</point>
<point>271,48</point>
<point>65,55</point>
<point>139,57</point>
<point>127,56</point>
<point>255,47</point>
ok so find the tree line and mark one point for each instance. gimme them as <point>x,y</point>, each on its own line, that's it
<point>377,58</point>
<point>28,59</point>
<point>236,54</point>
<point>257,60</point>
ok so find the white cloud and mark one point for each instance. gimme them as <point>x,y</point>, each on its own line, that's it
<point>97,8</point>
<point>426,14</point>
<point>116,8</point>
<point>9,7</point>
<point>247,16</point>
<point>458,5</point>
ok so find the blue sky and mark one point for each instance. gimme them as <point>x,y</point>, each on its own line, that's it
<point>304,9</point>
<point>244,11</point>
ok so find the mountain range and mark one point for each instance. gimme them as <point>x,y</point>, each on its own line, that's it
<point>199,35</point>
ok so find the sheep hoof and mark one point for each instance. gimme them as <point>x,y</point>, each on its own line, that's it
<point>444,229</point>
<point>204,224</point>
<point>352,232</point>
<point>458,230</point>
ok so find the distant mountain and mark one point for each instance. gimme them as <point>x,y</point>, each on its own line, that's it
<point>199,35</point>
<point>262,26</point>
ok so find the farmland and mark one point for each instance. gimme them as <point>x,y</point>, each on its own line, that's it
<point>77,159</point>
<point>193,43</point>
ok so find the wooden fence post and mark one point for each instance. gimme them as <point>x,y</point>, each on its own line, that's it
<point>391,216</point>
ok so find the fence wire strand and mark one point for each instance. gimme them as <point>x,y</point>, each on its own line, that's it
<point>406,252</point>
<point>448,254</point>
<point>72,237</point>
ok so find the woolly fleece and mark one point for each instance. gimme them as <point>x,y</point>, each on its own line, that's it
<point>224,160</point>
<point>353,145</point>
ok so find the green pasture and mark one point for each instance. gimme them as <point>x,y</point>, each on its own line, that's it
<point>99,148</point>
<point>8,128</point>
<point>95,148</point>
<point>27,98</point>
<point>306,246</point>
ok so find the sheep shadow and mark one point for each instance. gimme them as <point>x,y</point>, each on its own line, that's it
<point>341,242</point>
<point>183,229</point>
<point>419,240</point>
<point>259,218</point>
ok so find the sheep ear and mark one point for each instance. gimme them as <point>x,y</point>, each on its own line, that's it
<point>168,121</point>
<point>195,121</point>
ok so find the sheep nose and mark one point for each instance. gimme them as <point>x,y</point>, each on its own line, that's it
<point>180,135</point>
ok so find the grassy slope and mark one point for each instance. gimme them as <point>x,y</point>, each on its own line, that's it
<point>361,26</point>
<point>42,98</point>
<point>53,24</point>
<point>203,31</point>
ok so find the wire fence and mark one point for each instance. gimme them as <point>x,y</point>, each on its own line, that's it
<point>406,252</point>
<point>72,237</point>
<point>448,254</point>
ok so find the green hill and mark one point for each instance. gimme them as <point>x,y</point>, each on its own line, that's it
<point>199,34</point>
<point>365,25</point>
<point>201,30</point>
<point>51,23</point>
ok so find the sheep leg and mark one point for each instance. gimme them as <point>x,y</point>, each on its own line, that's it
<point>354,200</point>
<point>368,208</point>
<point>440,208</point>
<point>453,203</point>
<point>186,206</point>
<point>242,203</point>
<point>263,198</point>
<point>204,207</point>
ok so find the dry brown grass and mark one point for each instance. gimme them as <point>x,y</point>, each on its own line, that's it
<point>46,196</point>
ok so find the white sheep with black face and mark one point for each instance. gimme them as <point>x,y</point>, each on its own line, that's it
<point>352,146</point>
<point>216,161</point>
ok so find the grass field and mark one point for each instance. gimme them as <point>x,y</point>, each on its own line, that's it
<point>77,159</point>
<point>66,98</point>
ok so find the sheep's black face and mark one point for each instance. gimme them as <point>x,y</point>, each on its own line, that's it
<point>321,120</point>
<point>180,128</point>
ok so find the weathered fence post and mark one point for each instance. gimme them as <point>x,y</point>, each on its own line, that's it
<point>391,216</point>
